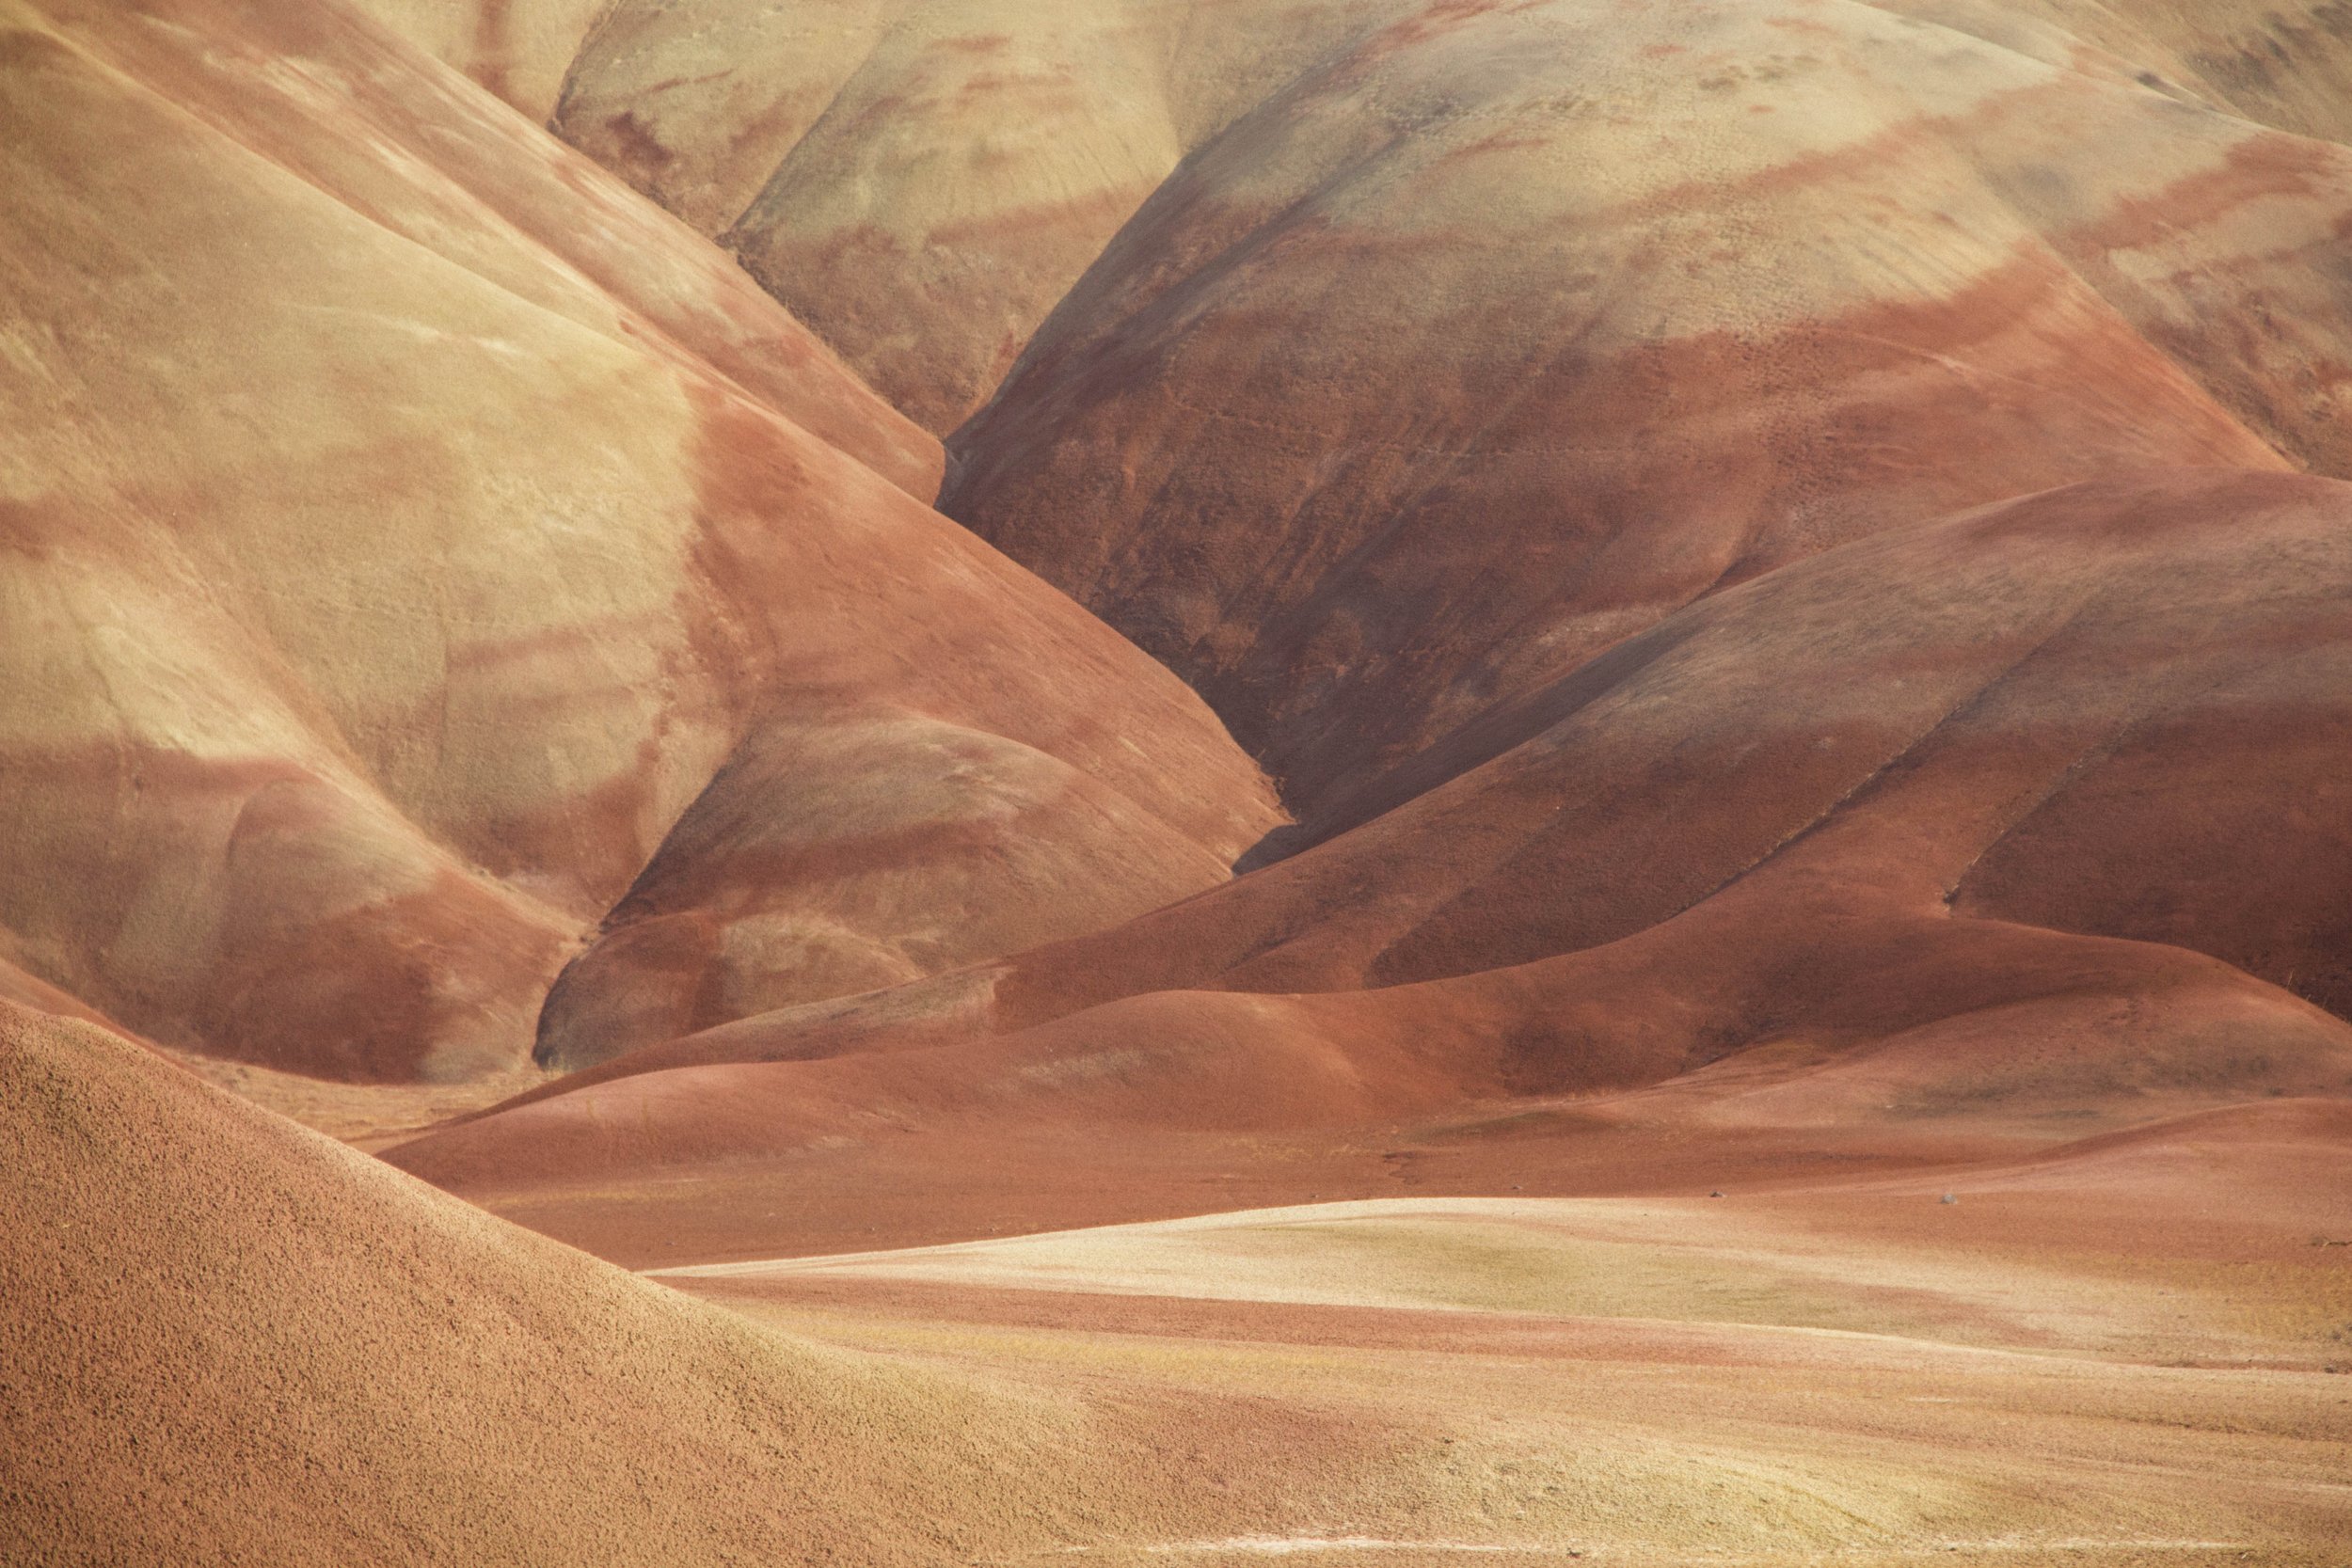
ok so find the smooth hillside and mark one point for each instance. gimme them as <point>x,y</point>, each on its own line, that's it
<point>2286,63</point>
<point>405,523</point>
<point>2114,708</point>
<point>520,50</point>
<point>923,178</point>
<point>2057,1252</point>
<point>231,1340</point>
<point>1786,269</point>
<point>2116,1354</point>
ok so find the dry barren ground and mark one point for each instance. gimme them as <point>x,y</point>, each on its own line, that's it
<point>1849,1374</point>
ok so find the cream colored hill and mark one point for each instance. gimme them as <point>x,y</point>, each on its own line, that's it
<point>922,178</point>
<point>2113,1355</point>
<point>2041,1254</point>
<point>2286,63</point>
<point>520,50</point>
<point>405,523</point>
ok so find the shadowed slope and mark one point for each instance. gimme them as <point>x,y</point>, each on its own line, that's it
<point>1774,859</point>
<point>402,524</point>
<point>2117,708</point>
<point>1493,339</point>
<point>2286,63</point>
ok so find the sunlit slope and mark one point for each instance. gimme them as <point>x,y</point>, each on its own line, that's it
<point>921,179</point>
<point>407,521</point>
<point>231,1338</point>
<point>2116,1354</point>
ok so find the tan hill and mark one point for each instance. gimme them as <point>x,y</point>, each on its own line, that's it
<point>520,50</point>
<point>1928,845</point>
<point>921,179</point>
<point>2286,63</point>
<point>863,845</point>
<point>406,522</point>
<point>231,1340</point>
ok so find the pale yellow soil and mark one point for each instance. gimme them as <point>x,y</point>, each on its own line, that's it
<point>1737,1380</point>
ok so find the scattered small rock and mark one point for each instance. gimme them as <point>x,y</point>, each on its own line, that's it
<point>1717,1192</point>
<point>1949,1197</point>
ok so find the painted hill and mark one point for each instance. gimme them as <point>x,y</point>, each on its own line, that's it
<point>1979,830</point>
<point>1788,271</point>
<point>1499,336</point>
<point>296,1355</point>
<point>1794,558</point>
<point>407,523</point>
<point>923,178</point>
<point>233,1340</point>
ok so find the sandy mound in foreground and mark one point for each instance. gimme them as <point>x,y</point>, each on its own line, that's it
<point>230,1339</point>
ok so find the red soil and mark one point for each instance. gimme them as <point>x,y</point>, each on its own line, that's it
<point>1776,858</point>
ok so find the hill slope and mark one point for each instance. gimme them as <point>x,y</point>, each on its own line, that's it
<point>1927,845</point>
<point>1500,334</point>
<point>406,522</point>
<point>291,1354</point>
